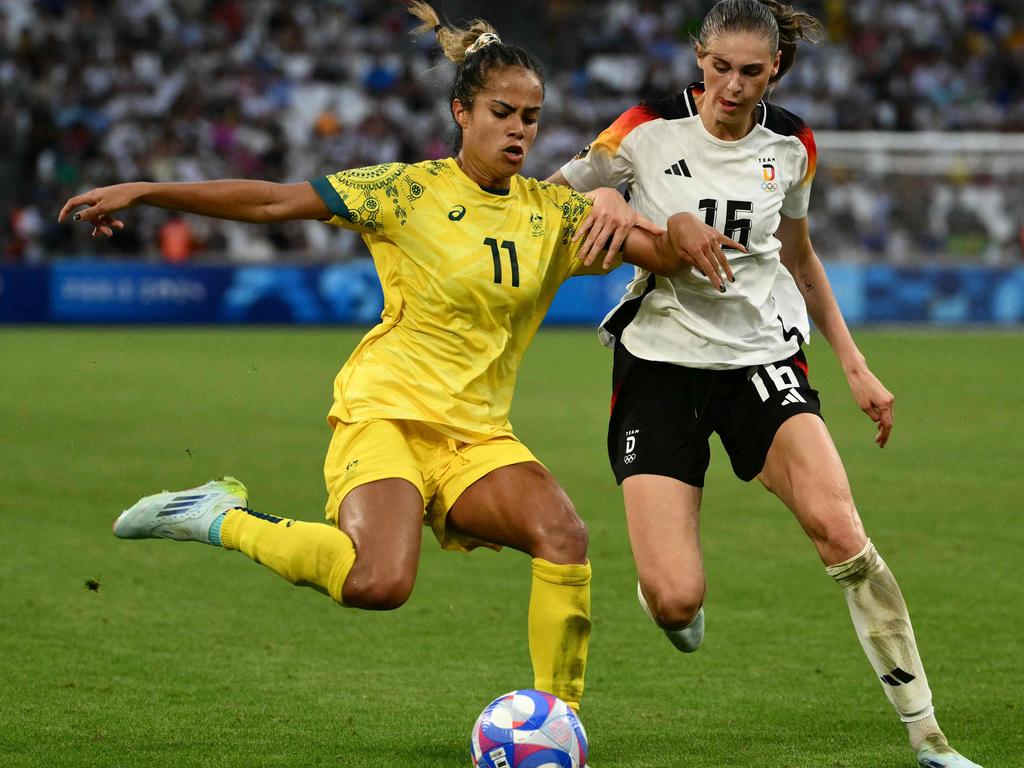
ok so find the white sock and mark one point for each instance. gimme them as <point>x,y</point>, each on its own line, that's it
<point>925,729</point>
<point>883,626</point>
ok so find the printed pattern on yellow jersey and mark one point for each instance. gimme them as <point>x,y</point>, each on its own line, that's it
<point>367,186</point>
<point>467,276</point>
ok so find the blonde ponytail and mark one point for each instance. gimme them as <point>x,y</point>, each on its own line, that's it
<point>477,51</point>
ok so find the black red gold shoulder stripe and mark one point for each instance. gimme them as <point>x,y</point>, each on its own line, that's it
<point>626,123</point>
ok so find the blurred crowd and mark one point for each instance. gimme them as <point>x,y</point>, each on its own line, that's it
<point>94,92</point>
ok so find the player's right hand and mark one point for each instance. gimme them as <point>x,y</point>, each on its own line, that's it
<point>700,246</point>
<point>101,203</point>
<point>874,399</point>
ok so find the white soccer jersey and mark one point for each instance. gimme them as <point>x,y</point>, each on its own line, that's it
<point>671,163</point>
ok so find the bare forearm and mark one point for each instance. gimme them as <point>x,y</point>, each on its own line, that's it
<point>240,200</point>
<point>236,199</point>
<point>799,258</point>
<point>824,310</point>
<point>683,244</point>
<point>558,178</point>
<point>650,252</point>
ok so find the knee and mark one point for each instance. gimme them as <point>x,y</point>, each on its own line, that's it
<point>376,594</point>
<point>561,536</point>
<point>673,607</point>
<point>839,536</point>
<point>841,545</point>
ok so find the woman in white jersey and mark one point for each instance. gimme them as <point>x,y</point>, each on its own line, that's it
<point>718,349</point>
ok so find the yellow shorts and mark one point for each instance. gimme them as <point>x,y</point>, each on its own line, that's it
<point>440,467</point>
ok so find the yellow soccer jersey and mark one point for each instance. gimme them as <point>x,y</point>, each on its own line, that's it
<point>468,275</point>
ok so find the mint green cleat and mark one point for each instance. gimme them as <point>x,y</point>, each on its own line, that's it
<point>687,639</point>
<point>182,515</point>
<point>938,754</point>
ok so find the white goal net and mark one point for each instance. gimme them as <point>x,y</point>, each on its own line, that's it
<point>919,198</point>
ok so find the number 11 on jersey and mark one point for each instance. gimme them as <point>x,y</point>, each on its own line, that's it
<point>509,246</point>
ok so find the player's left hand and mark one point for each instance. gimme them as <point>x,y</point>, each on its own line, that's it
<point>875,400</point>
<point>611,217</point>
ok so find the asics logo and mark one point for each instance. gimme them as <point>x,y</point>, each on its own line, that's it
<point>456,213</point>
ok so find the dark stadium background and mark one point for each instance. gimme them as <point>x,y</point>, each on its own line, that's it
<point>99,92</point>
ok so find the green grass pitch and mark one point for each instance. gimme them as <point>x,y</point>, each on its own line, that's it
<point>188,656</point>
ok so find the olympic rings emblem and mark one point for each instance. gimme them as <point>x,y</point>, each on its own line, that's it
<point>769,186</point>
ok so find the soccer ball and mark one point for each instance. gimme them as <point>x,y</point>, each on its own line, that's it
<point>528,729</point>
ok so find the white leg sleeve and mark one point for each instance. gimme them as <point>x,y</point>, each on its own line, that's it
<point>883,626</point>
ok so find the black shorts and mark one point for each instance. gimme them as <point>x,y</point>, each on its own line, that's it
<point>662,415</point>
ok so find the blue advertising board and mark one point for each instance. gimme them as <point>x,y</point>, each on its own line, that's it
<point>349,293</point>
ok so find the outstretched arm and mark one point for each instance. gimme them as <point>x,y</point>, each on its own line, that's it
<point>236,199</point>
<point>799,258</point>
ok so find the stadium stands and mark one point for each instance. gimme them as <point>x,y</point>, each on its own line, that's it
<point>97,92</point>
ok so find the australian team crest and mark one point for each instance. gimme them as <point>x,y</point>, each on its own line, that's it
<point>537,224</point>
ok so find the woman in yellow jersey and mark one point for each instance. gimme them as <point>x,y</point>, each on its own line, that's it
<point>470,255</point>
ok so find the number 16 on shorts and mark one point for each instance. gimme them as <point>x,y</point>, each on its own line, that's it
<point>780,378</point>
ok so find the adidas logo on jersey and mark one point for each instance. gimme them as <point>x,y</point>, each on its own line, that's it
<point>678,169</point>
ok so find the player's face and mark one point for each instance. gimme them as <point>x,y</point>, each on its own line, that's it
<point>500,126</point>
<point>737,67</point>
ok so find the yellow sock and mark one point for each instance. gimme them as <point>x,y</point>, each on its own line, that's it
<point>307,554</point>
<point>559,628</point>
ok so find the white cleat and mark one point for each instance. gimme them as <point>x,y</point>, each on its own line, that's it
<point>936,754</point>
<point>687,639</point>
<point>181,515</point>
